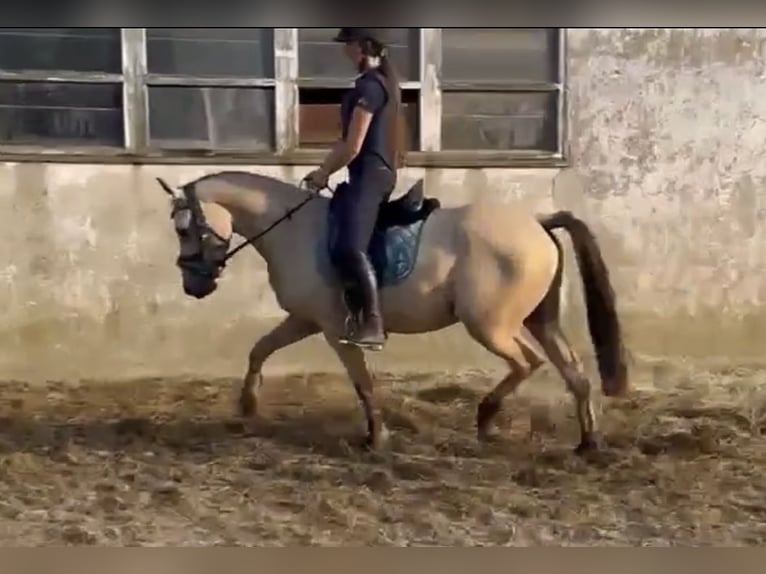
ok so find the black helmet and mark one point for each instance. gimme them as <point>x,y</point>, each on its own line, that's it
<point>360,35</point>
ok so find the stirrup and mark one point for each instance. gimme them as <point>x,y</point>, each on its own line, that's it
<point>351,325</point>
<point>361,344</point>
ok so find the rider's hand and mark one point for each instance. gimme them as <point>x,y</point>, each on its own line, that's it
<point>317,179</point>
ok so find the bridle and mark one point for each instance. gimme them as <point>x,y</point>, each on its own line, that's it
<point>213,252</point>
<point>207,261</point>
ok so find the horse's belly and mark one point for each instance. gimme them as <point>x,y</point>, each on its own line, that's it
<point>424,301</point>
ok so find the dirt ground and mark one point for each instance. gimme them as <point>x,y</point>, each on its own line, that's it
<point>165,463</point>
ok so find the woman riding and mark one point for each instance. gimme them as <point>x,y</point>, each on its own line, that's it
<point>370,149</point>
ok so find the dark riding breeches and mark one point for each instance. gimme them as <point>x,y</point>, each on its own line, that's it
<point>355,207</point>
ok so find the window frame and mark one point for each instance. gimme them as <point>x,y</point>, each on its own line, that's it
<point>319,84</point>
<point>136,80</point>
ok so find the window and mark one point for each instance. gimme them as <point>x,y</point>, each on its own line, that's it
<point>60,49</point>
<point>324,75</point>
<point>471,96</point>
<point>61,86</point>
<point>210,88</point>
<point>319,58</point>
<point>500,89</point>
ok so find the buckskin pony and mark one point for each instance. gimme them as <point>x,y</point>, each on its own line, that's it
<point>494,267</point>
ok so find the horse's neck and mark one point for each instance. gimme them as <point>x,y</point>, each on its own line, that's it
<point>255,210</point>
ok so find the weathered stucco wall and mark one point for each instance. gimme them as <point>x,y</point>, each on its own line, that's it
<point>91,287</point>
<point>666,137</point>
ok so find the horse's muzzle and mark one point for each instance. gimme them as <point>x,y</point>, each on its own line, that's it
<point>198,287</point>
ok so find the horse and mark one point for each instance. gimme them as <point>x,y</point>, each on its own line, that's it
<point>494,267</point>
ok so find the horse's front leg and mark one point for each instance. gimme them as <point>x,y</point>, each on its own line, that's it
<point>353,360</point>
<point>291,330</point>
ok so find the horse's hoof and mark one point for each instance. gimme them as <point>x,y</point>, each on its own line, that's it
<point>590,444</point>
<point>489,435</point>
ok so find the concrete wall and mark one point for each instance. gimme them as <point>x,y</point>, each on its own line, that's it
<point>667,129</point>
<point>667,141</point>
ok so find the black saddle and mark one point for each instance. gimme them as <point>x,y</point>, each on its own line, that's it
<point>407,209</point>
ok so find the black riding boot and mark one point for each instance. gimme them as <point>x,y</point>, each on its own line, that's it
<point>368,331</point>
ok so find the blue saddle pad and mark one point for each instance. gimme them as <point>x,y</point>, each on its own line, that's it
<point>393,251</point>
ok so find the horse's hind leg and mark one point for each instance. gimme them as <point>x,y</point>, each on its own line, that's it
<point>522,359</point>
<point>290,331</point>
<point>562,355</point>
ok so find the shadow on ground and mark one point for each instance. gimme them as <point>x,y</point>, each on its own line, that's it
<point>165,462</point>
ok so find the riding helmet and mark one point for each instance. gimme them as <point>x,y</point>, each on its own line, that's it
<point>360,35</point>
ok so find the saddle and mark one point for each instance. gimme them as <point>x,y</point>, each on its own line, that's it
<point>407,209</point>
<point>395,240</point>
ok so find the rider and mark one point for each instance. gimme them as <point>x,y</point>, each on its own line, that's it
<point>370,148</point>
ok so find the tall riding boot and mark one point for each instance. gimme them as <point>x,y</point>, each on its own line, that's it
<point>368,333</point>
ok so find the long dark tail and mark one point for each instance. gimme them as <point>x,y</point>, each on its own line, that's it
<point>600,301</point>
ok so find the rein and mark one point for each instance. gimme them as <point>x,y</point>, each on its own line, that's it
<point>288,214</point>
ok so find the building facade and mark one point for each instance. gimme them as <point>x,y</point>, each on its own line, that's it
<point>652,136</point>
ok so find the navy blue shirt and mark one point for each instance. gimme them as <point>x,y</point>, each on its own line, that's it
<point>370,93</point>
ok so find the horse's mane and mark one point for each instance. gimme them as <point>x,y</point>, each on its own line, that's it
<point>247,179</point>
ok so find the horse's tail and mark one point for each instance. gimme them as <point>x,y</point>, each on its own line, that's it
<point>600,301</point>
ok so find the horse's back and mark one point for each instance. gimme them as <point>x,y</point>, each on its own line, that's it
<point>502,224</point>
<point>505,236</point>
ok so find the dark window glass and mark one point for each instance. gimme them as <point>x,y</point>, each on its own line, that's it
<point>61,49</point>
<point>211,118</point>
<point>500,54</point>
<point>320,125</point>
<point>61,113</point>
<point>499,121</point>
<point>211,52</point>
<point>321,58</point>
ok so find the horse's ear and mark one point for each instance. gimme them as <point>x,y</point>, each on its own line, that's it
<point>169,190</point>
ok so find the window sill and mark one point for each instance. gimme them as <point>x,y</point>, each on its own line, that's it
<point>479,159</point>
<point>113,156</point>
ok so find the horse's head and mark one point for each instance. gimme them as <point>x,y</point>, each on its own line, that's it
<point>204,231</point>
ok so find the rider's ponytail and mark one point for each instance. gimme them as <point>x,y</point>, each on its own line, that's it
<point>393,110</point>
<point>397,135</point>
